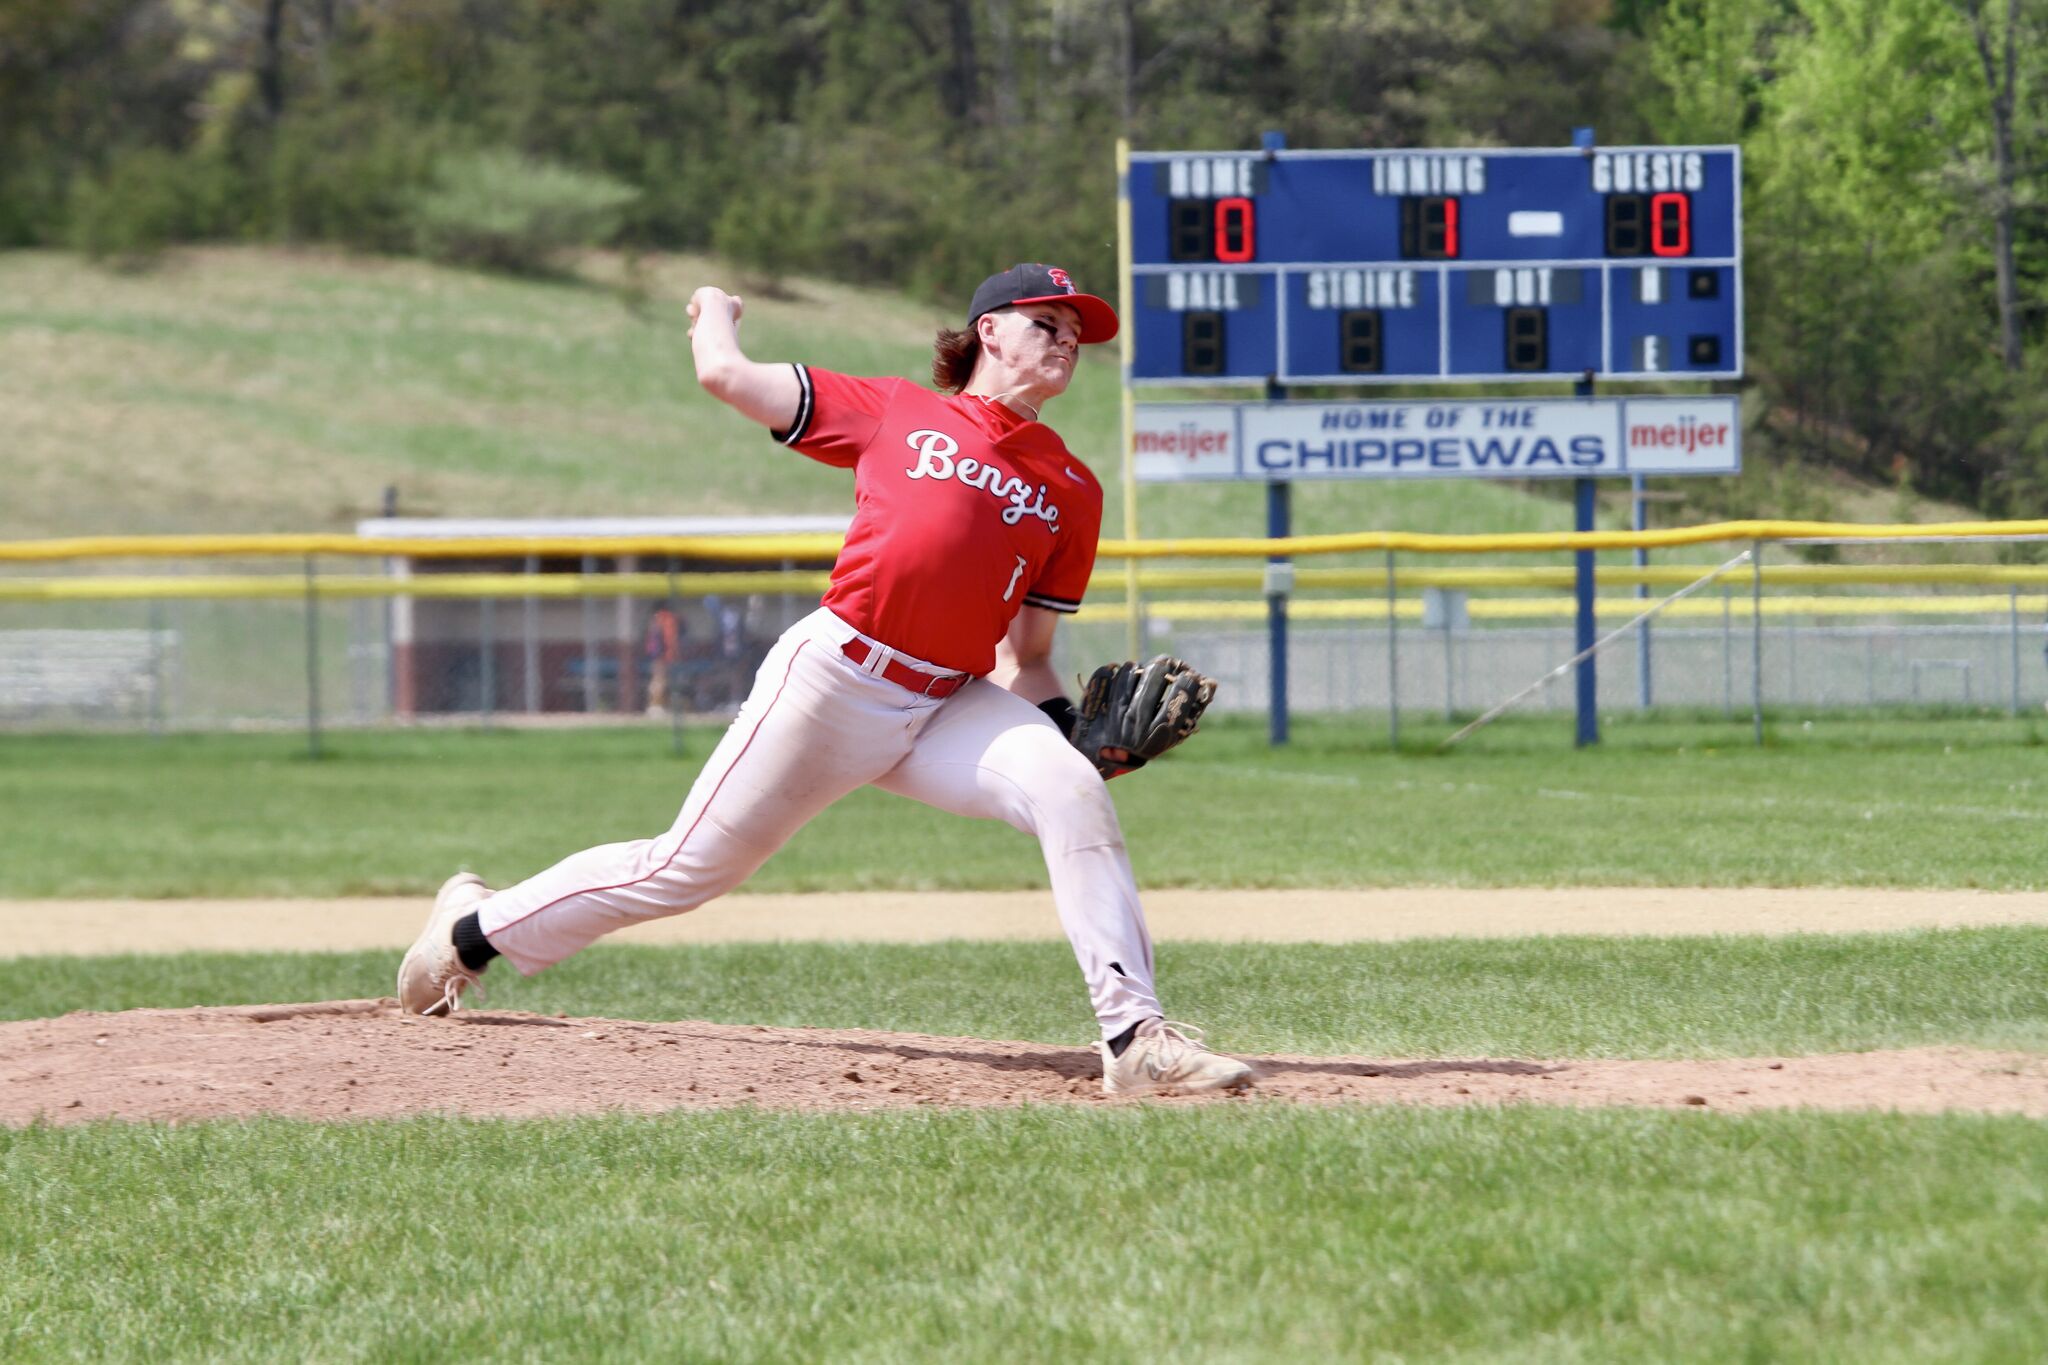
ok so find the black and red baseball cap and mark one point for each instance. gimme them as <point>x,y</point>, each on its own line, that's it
<point>1035,283</point>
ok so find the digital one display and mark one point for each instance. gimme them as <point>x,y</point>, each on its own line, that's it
<point>1354,267</point>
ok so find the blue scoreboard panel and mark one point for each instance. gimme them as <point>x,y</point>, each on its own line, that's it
<point>1355,267</point>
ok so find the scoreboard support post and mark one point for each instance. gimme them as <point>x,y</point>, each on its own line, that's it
<point>1640,520</point>
<point>1279,525</point>
<point>1587,672</point>
<point>1584,502</point>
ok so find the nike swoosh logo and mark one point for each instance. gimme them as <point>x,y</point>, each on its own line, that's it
<point>1072,475</point>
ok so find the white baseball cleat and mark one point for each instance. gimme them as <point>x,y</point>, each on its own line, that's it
<point>1166,1058</point>
<point>432,978</point>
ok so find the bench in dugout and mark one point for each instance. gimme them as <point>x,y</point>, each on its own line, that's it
<point>101,674</point>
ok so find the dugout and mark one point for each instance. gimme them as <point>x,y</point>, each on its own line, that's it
<point>549,653</point>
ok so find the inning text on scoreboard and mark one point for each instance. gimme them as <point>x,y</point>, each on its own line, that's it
<point>1355,267</point>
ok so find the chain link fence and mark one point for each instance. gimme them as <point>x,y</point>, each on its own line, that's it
<point>1992,657</point>
<point>1805,664</point>
<point>315,653</point>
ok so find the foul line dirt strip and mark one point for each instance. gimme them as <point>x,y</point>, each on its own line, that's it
<point>1325,916</point>
<point>359,1059</point>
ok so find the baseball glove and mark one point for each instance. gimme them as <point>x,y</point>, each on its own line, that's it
<point>1140,709</point>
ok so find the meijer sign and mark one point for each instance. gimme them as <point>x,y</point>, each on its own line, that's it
<point>1485,439</point>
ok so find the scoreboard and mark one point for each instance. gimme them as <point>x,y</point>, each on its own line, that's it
<point>1403,267</point>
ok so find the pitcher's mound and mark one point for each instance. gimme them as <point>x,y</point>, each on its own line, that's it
<point>363,1059</point>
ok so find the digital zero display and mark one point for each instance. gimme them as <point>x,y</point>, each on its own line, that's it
<point>1234,230</point>
<point>1365,267</point>
<point>1659,224</point>
<point>1212,230</point>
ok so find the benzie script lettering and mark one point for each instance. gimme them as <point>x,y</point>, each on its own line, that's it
<point>935,452</point>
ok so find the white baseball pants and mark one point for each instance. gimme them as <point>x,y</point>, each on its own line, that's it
<point>815,727</point>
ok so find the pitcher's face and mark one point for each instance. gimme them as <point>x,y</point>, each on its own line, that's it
<point>1036,345</point>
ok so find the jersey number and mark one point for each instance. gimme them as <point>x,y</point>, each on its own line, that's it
<point>1015,574</point>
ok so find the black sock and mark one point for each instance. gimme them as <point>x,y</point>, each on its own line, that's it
<point>471,946</point>
<point>1122,1041</point>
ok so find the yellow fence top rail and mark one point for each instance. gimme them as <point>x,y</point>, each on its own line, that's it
<point>737,549</point>
<point>1106,584</point>
<point>1369,610</point>
<point>1108,604</point>
<point>759,549</point>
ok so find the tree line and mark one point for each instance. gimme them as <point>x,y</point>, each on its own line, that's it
<point>1893,219</point>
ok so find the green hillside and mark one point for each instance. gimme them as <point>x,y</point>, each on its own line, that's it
<point>255,389</point>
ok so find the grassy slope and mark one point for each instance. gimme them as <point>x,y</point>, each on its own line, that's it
<point>243,389</point>
<point>1867,802</point>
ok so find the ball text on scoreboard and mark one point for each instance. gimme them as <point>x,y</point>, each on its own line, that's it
<point>1400,267</point>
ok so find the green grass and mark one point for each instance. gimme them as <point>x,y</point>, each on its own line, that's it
<point>225,391</point>
<point>1245,1233</point>
<point>1900,801</point>
<point>1540,997</point>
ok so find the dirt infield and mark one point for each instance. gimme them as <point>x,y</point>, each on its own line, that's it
<point>357,1059</point>
<point>1327,916</point>
<point>362,1059</point>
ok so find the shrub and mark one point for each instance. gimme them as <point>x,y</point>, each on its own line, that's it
<point>33,195</point>
<point>760,230</point>
<point>501,210</point>
<point>148,198</point>
<point>346,175</point>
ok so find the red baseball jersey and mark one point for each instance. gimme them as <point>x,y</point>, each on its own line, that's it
<point>964,512</point>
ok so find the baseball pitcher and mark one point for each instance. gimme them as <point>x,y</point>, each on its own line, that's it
<point>926,671</point>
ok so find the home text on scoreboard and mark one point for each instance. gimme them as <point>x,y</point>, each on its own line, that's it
<point>1355,267</point>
